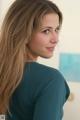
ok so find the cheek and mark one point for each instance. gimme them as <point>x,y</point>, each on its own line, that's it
<point>35,44</point>
<point>37,41</point>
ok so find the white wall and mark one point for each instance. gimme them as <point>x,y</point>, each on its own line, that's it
<point>72,106</point>
<point>4,5</point>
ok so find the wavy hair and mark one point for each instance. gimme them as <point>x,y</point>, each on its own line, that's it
<point>22,18</point>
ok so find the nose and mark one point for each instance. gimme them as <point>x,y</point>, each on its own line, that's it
<point>54,37</point>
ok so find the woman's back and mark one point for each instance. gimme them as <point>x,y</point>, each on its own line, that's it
<point>40,95</point>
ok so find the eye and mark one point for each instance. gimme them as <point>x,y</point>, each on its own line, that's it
<point>47,31</point>
<point>57,30</point>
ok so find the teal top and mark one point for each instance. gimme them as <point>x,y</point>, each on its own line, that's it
<point>40,95</point>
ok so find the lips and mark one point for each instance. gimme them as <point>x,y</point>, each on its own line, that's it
<point>50,49</point>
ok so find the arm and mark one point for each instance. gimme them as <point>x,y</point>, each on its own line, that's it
<point>49,103</point>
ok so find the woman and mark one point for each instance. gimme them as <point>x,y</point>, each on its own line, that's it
<point>29,90</point>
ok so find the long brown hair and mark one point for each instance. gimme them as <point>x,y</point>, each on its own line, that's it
<point>22,18</point>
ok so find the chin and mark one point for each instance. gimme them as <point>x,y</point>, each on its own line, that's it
<point>47,56</point>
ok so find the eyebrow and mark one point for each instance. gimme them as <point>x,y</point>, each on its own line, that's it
<point>48,27</point>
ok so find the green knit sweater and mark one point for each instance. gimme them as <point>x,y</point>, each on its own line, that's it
<point>40,95</point>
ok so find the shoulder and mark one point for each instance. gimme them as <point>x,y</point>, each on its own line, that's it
<point>46,76</point>
<point>39,80</point>
<point>39,69</point>
<point>42,75</point>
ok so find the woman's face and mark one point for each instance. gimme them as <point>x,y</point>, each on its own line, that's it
<point>45,38</point>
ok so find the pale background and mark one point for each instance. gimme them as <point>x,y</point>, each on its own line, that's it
<point>69,43</point>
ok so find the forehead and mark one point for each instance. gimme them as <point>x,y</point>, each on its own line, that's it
<point>50,20</point>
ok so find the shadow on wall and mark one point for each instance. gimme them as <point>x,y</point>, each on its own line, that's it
<point>72,106</point>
